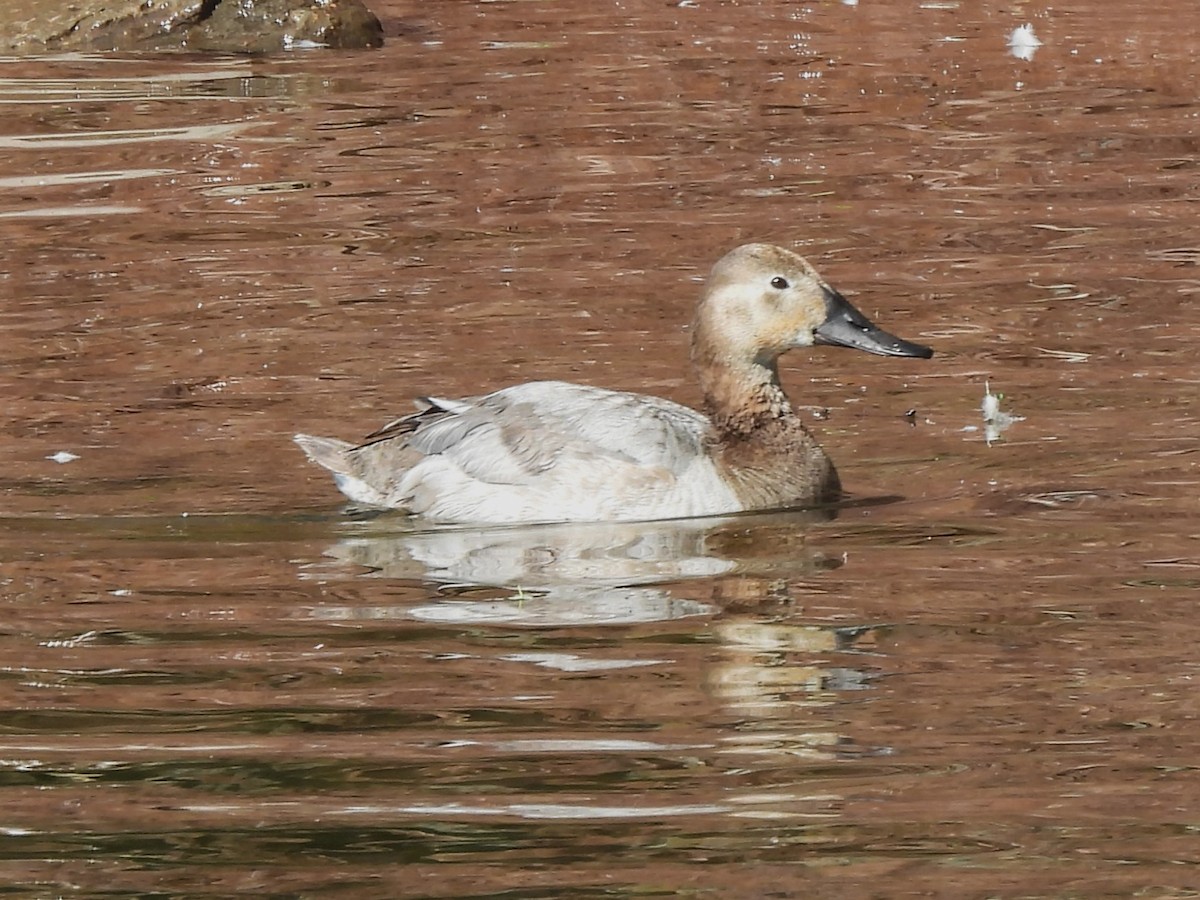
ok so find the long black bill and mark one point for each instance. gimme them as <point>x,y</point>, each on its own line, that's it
<point>845,326</point>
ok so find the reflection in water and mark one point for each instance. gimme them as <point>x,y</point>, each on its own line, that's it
<point>89,83</point>
<point>593,573</point>
<point>770,673</point>
<point>567,605</point>
<point>122,137</point>
<point>80,178</point>
<point>777,673</point>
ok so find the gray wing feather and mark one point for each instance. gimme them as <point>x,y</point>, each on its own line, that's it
<point>514,435</point>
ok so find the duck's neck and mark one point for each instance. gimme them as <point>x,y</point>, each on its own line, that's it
<point>741,397</point>
<point>769,457</point>
<point>741,402</point>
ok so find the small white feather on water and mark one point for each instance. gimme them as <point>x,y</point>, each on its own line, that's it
<point>1023,43</point>
<point>995,420</point>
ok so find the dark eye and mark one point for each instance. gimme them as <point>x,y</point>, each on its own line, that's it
<point>780,283</point>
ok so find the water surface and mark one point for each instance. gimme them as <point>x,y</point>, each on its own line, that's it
<point>976,679</point>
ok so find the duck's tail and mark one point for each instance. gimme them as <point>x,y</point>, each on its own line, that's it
<point>335,456</point>
<point>327,452</point>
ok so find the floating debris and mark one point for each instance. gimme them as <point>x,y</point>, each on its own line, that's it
<point>995,421</point>
<point>63,456</point>
<point>86,637</point>
<point>1023,43</point>
<point>1071,356</point>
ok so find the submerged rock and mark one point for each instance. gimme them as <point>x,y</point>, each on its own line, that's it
<point>236,26</point>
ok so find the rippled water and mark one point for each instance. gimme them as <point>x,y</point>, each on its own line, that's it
<point>976,679</point>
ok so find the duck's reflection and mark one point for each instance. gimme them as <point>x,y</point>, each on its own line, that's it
<point>769,679</point>
<point>770,670</point>
<point>734,569</point>
<point>616,573</point>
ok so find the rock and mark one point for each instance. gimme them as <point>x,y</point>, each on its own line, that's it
<point>266,25</point>
<point>235,26</point>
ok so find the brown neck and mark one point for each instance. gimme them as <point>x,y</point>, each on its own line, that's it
<point>768,455</point>
<point>740,396</point>
<point>743,402</point>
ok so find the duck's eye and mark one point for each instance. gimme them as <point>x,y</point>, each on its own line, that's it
<point>780,283</point>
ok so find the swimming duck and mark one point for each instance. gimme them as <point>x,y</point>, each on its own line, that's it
<point>549,451</point>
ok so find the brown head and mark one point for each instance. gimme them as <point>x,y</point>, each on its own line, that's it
<point>761,301</point>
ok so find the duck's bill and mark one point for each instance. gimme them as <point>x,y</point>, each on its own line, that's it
<point>845,326</point>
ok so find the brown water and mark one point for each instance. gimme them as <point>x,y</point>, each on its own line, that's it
<point>979,679</point>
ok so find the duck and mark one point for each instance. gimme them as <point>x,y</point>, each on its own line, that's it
<point>552,451</point>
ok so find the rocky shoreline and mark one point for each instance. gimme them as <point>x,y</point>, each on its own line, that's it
<point>232,26</point>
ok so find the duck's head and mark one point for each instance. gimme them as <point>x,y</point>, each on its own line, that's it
<point>762,300</point>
